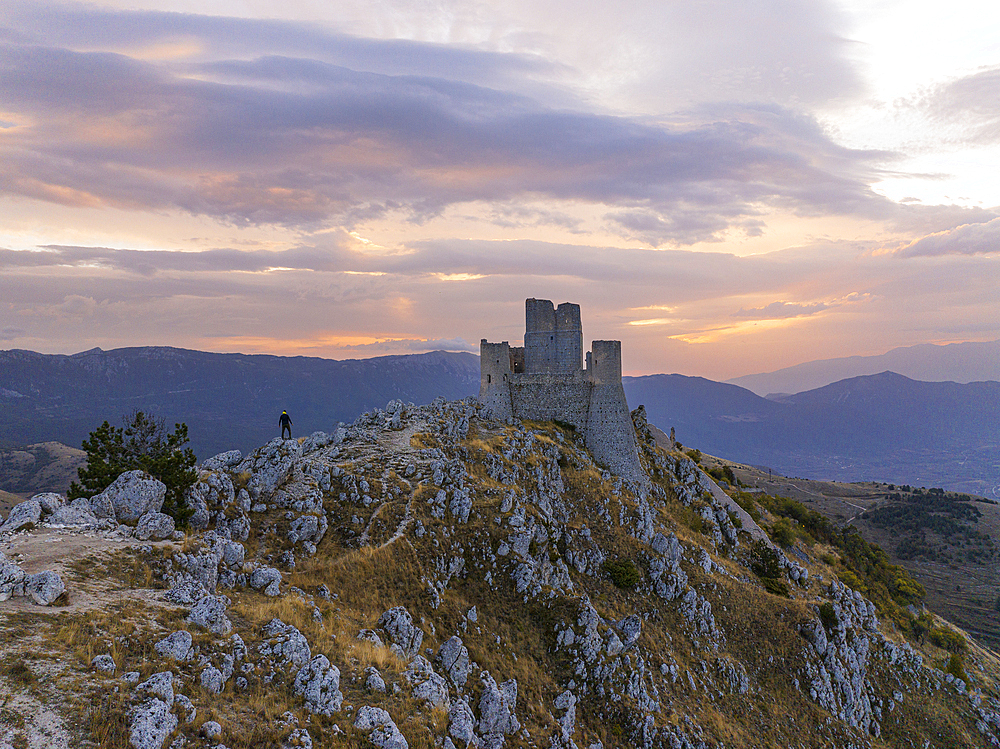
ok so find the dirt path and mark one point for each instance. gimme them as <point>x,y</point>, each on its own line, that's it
<point>32,716</point>
<point>58,549</point>
<point>43,727</point>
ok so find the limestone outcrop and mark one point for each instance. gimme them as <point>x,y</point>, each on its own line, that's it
<point>130,496</point>
<point>429,576</point>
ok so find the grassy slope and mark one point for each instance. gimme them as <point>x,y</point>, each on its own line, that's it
<point>963,590</point>
<point>514,636</point>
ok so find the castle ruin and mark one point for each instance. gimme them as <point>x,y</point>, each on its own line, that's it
<point>547,380</point>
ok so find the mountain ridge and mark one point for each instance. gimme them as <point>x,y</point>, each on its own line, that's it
<point>971,361</point>
<point>64,397</point>
<point>884,427</point>
<point>931,434</point>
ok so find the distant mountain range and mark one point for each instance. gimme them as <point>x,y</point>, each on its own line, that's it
<point>883,427</point>
<point>227,400</point>
<point>955,362</point>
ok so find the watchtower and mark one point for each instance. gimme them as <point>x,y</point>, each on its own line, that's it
<point>553,338</point>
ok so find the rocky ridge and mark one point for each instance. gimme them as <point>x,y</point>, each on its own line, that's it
<point>426,577</point>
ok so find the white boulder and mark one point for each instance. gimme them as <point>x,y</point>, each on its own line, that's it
<point>381,729</point>
<point>23,515</point>
<point>319,683</point>
<point>131,496</point>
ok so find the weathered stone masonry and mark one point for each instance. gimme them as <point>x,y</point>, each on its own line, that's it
<point>546,379</point>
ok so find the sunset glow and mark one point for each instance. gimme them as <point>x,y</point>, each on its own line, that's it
<point>726,189</point>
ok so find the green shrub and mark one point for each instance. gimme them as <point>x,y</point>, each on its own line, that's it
<point>745,501</point>
<point>948,639</point>
<point>782,533</point>
<point>695,455</point>
<point>623,572</point>
<point>765,564</point>
<point>828,616</point>
<point>956,667</point>
<point>142,444</point>
<point>921,625</point>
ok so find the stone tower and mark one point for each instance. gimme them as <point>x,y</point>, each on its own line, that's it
<point>546,380</point>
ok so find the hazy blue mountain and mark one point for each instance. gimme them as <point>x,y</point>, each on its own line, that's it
<point>883,427</point>
<point>880,427</point>
<point>956,362</point>
<point>227,400</point>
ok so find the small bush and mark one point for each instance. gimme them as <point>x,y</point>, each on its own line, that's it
<point>782,533</point>
<point>852,581</point>
<point>828,616</point>
<point>948,639</point>
<point>723,473</point>
<point>623,572</point>
<point>695,455</point>
<point>766,565</point>
<point>956,667</point>
<point>19,672</point>
<point>745,501</point>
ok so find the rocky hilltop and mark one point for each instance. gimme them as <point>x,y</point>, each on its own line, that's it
<point>428,578</point>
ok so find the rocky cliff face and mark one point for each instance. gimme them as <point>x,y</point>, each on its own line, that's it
<point>428,578</point>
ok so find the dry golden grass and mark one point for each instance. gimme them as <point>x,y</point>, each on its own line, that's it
<point>424,441</point>
<point>368,580</point>
<point>125,633</point>
<point>106,720</point>
<point>257,610</point>
<point>424,492</point>
<point>583,483</point>
<point>129,567</point>
<point>487,484</point>
<point>476,445</point>
<point>364,654</point>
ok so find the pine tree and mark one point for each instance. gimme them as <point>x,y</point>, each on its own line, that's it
<point>144,444</point>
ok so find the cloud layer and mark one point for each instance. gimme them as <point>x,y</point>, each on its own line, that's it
<point>283,127</point>
<point>403,180</point>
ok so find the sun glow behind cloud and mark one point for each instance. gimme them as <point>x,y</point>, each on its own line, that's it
<point>403,177</point>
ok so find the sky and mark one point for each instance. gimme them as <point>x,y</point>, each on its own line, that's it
<point>726,187</point>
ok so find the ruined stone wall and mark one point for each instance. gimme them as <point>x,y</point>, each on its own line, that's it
<point>546,397</point>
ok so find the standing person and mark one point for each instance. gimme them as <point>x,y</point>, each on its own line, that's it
<point>286,424</point>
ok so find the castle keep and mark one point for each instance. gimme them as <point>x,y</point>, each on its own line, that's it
<point>547,380</point>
